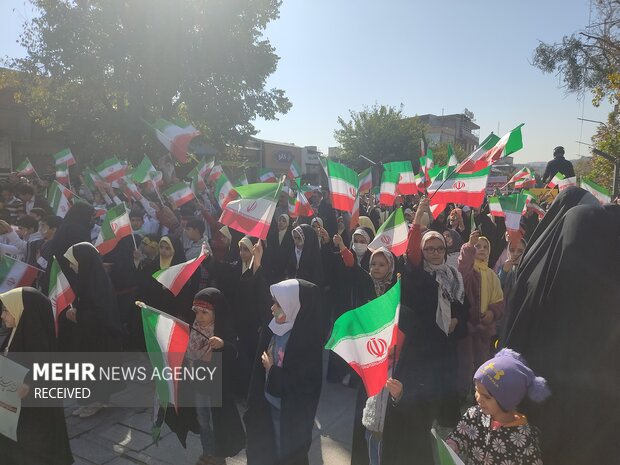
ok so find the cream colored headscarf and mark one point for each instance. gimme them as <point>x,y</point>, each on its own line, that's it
<point>366,222</point>
<point>14,303</point>
<point>246,242</point>
<point>490,286</point>
<point>164,263</point>
<point>281,234</point>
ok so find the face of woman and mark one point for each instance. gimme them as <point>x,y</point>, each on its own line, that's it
<point>204,316</point>
<point>245,254</point>
<point>357,239</point>
<point>282,224</point>
<point>448,239</point>
<point>7,318</point>
<point>278,313</point>
<point>165,250</point>
<point>482,250</point>
<point>316,226</point>
<point>434,251</point>
<point>299,242</point>
<point>379,266</point>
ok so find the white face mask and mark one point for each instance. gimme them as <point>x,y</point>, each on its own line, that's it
<point>360,248</point>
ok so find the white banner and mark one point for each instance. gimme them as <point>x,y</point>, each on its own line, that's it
<point>11,378</point>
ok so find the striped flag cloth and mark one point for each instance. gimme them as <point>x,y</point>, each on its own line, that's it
<point>365,180</point>
<point>461,188</point>
<point>392,234</point>
<point>58,197</point>
<point>294,171</point>
<point>60,293</point>
<point>389,181</point>
<point>364,336</point>
<point>343,184</point>
<point>142,172</point>
<point>25,168</point>
<point>266,175</point>
<point>166,341</point>
<point>64,157</point>
<point>406,182</point>
<point>176,276</point>
<point>14,273</point>
<point>62,174</point>
<point>179,194</point>
<point>111,169</point>
<point>485,156</point>
<point>598,191</point>
<point>223,188</point>
<point>175,137</point>
<point>115,226</point>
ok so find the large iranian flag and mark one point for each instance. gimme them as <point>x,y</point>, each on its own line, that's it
<point>389,181</point>
<point>364,336</point>
<point>602,194</point>
<point>480,159</point>
<point>115,226</point>
<point>511,207</point>
<point>14,273</point>
<point>166,340</point>
<point>176,276</point>
<point>64,157</point>
<point>392,234</point>
<point>343,184</point>
<point>179,194</point>
<point>175,138</point>
<point>406,182</point>
<point>464,188</point>
<point>142,172</point>
<point>60,293</point>
<point>111,169</point>
<point>250,208</point>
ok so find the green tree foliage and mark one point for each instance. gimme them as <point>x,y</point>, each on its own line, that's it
<point>440,153</point>
<point>96,70</point>
<point>606,139</point>
<point>380,133</point>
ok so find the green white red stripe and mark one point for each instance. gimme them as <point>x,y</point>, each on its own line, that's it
<point>250,208</point>
<point>142,172</point>
<point>406,182</point>
<point>487,144</point>
<point>114,227</point>
<point>364,336</point>
<point>25,168</point>
<point>223,188</point>
<point>355,213</point>
<point>294,171</point>
<point>14,273</point>
<point>130,189</point>
<point>179,194</point>
<point>392,234</point>
<point>343,184</point>
<point>243,180</point>
<point>92,180</point>
<point>215,173</point>
<point>166,341</point>
<point>176,276</point>
<point>567,182</point>
<point>64,157</point>
<point>175,138</point>
<point>62,174</point>
<point>111,169</point>
<point>463,188</point>
<point>598,191</point>
<point>511,207</point>
<point>389,181</point>
<point>365,180</point>
<point>58,197</point>
<point>60,293</point>
<point>266,175</point>
<point>507,145</point>
<point>452,160</point>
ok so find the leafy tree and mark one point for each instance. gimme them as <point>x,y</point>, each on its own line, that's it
<point>440,153</point>
<point>380,133</point>
<point>97,70</point>
<point>606,139</point>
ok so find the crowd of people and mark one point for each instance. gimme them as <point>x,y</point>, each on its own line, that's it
<point>487,318</point>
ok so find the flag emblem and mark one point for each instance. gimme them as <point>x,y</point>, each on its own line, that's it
<point>352,191</point>
<point>251,207</point>
<point>458,185</point>
<point>385,239</point>
<point>376,347</point>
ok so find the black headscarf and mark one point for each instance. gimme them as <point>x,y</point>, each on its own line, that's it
<point>310,266</point>
<point>223,327</point>
<point>565,321</point>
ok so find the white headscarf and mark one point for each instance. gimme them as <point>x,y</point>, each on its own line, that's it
<point>286,294</point>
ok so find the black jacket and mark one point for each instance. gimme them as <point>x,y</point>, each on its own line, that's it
<point>558,165</point>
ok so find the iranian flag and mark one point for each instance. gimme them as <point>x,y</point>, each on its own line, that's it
<point>111,169</point>
<point>250,208</point>
<point>242,180</point>
<point>223,188</point>
<point>179,194</point>
<point>14,273</point>
<point>343,184</point>
<point>355,213</point>
<point>302,205</point>
<point>364,336</point>
<point>486,145</point>
<point>392,234</point>
<point>115,226</point>
<point>464,188</point>
<point>130,189</point>
<point>485,156</point>
<point>92,180</point>
<point>197,183</point>
<point>60,293</point>
<point>58,197</point>
<point>215,173</point>
<point>567,182</point>
<point>175,138</point>
<point>166,341</point>
<point>176,276</point>
<point>294,171</point>
<point>555,181</point>
<point>511,207</point>
<point>420,181</point>
<point>523,179</point>
<point>141,173</point>
<point>365,180</point>
<point>64,157</point>
<point>452,160</point>
<point>540,211</point>
<point>406,182</point>
<point>266,175</point>
<point>602,194</point>
<point>389,181</point>
<point>25,168</point>
<point>62,174</point>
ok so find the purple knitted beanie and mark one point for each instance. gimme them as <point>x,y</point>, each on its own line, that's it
<point>508,379</point>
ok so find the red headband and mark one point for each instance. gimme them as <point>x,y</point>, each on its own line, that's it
<point>203,304</point>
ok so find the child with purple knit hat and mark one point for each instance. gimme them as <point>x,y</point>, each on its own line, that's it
<point>493,432</point>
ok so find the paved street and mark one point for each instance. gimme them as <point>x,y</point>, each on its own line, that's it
<point>122,436</point>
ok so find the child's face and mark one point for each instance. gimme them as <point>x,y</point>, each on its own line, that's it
<point>204,316</point>
<point>486,401</point>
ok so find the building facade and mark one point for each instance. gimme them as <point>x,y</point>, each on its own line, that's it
<point>457,129</point>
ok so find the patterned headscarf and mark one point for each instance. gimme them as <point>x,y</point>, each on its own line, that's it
<point>382,284</point>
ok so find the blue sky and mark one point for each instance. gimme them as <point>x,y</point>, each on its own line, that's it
<point>448,55</point>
